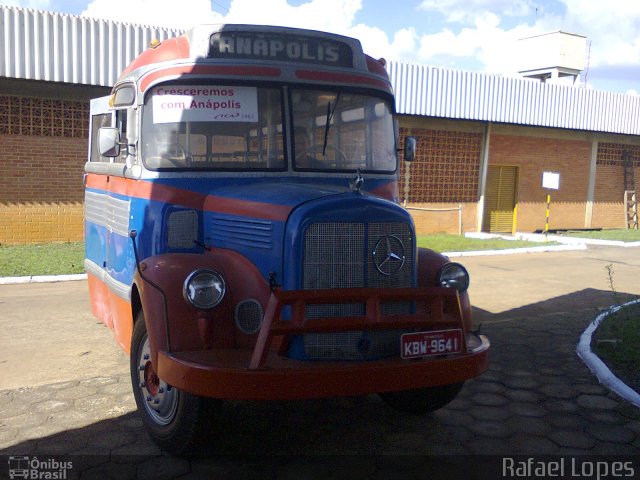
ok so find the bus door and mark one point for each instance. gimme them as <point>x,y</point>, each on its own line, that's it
<point>107,213</point>
<point>95,206</point>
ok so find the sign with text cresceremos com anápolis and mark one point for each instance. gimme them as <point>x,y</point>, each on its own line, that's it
<point>198,103</point>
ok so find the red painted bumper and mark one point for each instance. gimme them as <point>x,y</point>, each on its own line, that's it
<point>266,373</point>
<point>224,374</point>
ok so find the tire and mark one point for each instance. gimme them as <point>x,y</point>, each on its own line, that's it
<point>422,400</point>
<point>175,419</point>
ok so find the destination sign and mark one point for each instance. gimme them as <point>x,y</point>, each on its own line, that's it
<point>280,47</point>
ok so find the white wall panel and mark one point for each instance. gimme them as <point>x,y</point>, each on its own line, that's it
<point>38,45</point>
<point>460,94</point>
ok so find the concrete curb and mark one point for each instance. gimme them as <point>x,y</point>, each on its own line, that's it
<point>510,251</point>
<point>42,279</point>
<point>605,376</point>
<point>540,237</point>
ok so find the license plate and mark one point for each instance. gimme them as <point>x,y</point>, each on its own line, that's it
<point>424,344</point>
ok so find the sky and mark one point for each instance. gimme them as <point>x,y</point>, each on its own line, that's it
<point>477,35</point>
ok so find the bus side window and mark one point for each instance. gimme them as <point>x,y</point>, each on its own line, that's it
<point>98,121</point>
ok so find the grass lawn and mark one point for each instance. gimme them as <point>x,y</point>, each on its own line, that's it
<point>44,259</point>
<point>617,343</point>
<point>622,235</point>
<point>458,243</point>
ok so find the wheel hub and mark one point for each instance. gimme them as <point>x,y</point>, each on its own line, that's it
<point>151,380</point>
<point>160,400</point>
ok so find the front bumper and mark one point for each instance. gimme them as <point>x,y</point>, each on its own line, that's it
<point>265,373</point>
<point>223,374</point>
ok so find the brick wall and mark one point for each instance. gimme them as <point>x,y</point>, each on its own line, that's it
<point>534,155</point>
<point>44,145</point>
<point>608,207</point>
<point>444,175</point>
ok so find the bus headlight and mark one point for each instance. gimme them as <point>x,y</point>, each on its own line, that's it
<point>204,289</point>
<point>454,275</point>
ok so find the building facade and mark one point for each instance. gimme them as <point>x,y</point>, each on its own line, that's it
<point>51,65</point>
<point>484,140</point>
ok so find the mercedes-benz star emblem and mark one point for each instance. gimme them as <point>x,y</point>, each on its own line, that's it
<point>388,255</point>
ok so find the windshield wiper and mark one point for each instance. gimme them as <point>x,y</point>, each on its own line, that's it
<point>327,125</point>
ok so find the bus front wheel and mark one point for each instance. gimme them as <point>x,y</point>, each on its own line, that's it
<point>173,418</point>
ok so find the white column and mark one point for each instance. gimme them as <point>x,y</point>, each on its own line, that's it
<point>482,181</point>
<point>588,214</point>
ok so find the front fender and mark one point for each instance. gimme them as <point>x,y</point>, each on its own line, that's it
<point>173,324</point>
<point>429,264</point>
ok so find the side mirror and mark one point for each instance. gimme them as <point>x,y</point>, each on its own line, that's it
<point>109,142</point>
<point>409,149</point>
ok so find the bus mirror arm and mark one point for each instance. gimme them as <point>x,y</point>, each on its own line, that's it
<point>132,151</point>
<point>132,235</point>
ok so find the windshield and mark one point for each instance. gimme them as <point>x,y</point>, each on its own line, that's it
<point>342,131</point>
<point>205,127</point>
<point>213,127</point>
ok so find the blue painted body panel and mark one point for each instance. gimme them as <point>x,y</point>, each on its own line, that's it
<point>261,241</point>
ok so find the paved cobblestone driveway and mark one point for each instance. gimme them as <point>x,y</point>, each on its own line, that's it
<point>537,398</point>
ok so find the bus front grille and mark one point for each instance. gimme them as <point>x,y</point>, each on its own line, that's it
<point>340,255</point>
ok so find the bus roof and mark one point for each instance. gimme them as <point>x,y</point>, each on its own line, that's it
<point>258,51</point>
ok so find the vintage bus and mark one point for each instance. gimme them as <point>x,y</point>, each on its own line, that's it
<point>244,238</point>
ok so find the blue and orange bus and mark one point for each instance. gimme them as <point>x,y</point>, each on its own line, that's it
<point>244,238</point>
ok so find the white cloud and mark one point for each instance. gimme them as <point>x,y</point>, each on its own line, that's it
<point>486,43</point>
<point>376,43</point>
<point>37,4</point>
<point>465,11</point>
<point>613,28</point>
<point>329,15</point>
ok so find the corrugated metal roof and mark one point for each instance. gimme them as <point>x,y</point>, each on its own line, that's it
<point>39,45</point>
<point>49,46</point>
<point>449,93</point>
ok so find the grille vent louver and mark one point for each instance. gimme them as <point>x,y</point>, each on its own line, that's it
<point>182,229</point>
<point>250,233</point>
<point>248,316</point>
<point>107,211</point>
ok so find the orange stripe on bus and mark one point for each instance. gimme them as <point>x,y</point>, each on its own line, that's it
<point>220,70</point>
<point>187,198</point>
